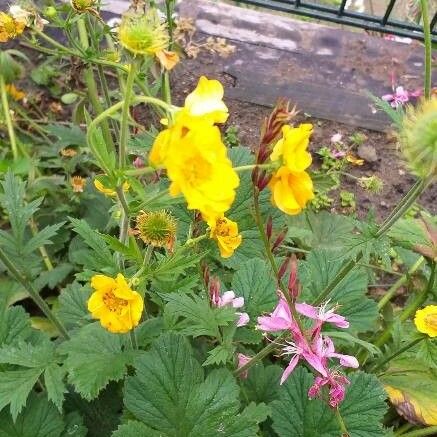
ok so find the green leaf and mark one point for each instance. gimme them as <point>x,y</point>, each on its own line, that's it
<point>294,414</point>
<point>219,355</point>
<point>412,389</point>
<point>169,394</point>
<point>27,354</point>
<point>71,135</point>
<point>319,270</point>
<point>427,352</point>
<point>38,419</point>
<point>14,323</point>
<point>74,426</point>
<point>135,429</point>
<point>262,383</point>
<point>371,348</point>
<point>319,231</point>
<point>199,318</point>
<point>72,309</point>
<point>254,281</point>
<point>52,278</point>
<point>54,382</point>
<point>43,237</point>
<point>15,386</point>
<point>150,329</point>
<point>95,357</point>
<point>101,256</point>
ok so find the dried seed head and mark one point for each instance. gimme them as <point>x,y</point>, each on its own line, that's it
<point>157,228</point>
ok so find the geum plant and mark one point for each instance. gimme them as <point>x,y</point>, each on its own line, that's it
<point>196,296</point>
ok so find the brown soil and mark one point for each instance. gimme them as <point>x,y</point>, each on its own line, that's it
<point>248,118</point>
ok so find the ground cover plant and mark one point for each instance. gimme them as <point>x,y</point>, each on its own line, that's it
<point>157,282</point>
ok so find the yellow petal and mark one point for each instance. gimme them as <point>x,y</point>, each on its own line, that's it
<point>102,283</point>
<point>167,58</point>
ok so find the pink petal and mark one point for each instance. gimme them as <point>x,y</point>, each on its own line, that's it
<point>291,365</point>
<point>307,310</point>
<point>227,298</point>
<point>388,97</point>
<point>272,324</point>
<point>238,302</point>
<point>242,360</point>
<point>243,320</point>
<point>282,310</point>
<point>346,360</point>
<point>315,361</point>
<point>337,320</point>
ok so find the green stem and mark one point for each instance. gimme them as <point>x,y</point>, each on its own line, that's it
<point>193,241</point>
<point>400,209</point>
<point>92,86</point>
<point>401,281</point>
<point>133,339</point>
<point>397,353</point>
<point>402,429</point>
<point>430,430</point>
<point>342,425</point>
<point>124,130</point>
<point>7,114</point>
<point>261,354</point>
<point>124,220</point>
<point>252,166</point>
<point>39,301</point>
<point>428,47</point>
<point>42,250</point>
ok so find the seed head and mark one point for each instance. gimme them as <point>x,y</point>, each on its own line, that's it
<point>157,228</point>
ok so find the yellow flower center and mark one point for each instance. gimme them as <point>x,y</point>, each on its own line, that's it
<point>431,320</point>
<point>113,303</point>
<point>197,171</point>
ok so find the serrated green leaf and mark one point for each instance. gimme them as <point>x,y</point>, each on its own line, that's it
<point>95,357</point>
<point>43,237</point>
<point>219,355</point>
<point>134,428</point>
<point>71,135</point>
<point>261,384</point>
<point>72,308</point>
<point>254,281</point>
<point>198,317</point>
<point>27,354</point>
<point>74,426</point>
<point>169,394</point>
<point>427,352</point>
<point>247,335</point>
<point>14,323</point>
<point>39,419</point>
<point>362,410</point>
<point>150,329</point>
<point>319,270</point>
<point>54,382</point>
<point>52,278</point>
<point>15,386</point>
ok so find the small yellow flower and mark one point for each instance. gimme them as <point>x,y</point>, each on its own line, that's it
<point>109,191</point>
<point>113,302</point>
<point>426,320</point>
<point>14,92</point>
<point>167,58</point>
<point>225,232</point>
<point>292,147</point>
<point>81,6</point>
<point>291,190</point>
<point>10,27</point>
<point>78,184</point>
<point>350,157</point>
<point>206,101</point>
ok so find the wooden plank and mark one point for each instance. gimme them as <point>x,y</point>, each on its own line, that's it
<point>326,70</point>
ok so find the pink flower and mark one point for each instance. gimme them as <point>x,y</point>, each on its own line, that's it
<point>243,360</point>
<point>279,319</point>
<point>336,383</point>
<point>337,153</point>
<point>138,162</point>
<point>399,97</point>
<point>324,348</point>
<point>228,299</point>
<point>322,314</point>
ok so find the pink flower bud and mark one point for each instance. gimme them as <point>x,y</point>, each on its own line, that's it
<point>283,268</point>
<point>279,239</point>
<point>138,162</point>
<point>293,283</point>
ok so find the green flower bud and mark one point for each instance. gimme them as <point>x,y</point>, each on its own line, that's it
<point>157,228</point>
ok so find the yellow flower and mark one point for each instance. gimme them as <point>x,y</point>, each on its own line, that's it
<point>207,101</point>
<point>291,190</point>
<point>199,168</point>
<point>113,302</point>
<point>68,152</point>
<point>350,157</point>
<point>109,191</point>
<point>225,232</point>
<point>78,184</point>
<point>292,147</point>
<point>426,320</point>
<point>167,58</point>
<point>10,27</point>
<point>14,92</point>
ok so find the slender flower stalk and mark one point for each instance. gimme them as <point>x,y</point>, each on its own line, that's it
<point>7,115</point>
<point>428,46</point>
<point>39,301</point>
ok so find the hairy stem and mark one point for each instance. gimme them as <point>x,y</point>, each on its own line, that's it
<point>428,46</point>
<point>342,425</point>
<point>430,430</point>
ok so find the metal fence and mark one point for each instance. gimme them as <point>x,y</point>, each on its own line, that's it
<point>341,15</point>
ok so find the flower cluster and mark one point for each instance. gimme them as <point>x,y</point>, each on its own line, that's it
<point>192,152</point>
<point>311,346</point>
<point>118,308</point>
<point>400,96</point>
